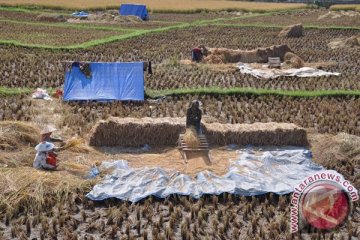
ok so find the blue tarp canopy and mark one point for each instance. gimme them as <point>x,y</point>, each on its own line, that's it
<point>134,10</point>
<point>108,81</point>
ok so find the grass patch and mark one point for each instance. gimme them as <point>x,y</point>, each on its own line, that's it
<point>217,91</point>
<point>14,91</point>
<point>249,91</point>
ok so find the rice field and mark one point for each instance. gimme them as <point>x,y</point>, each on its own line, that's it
<point>160,5</point>
<point>29,34</point>
<point>166,49</point>
<point>313,17</point>
<point>339,7</point>
<point>53,205</point>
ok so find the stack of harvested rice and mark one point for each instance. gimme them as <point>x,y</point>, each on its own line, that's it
<point>258,55</point>
<point>160,132</point>
<point>135,132</point>
<point>293,60</point>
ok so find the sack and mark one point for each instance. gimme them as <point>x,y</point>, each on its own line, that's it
<point>51,159</point>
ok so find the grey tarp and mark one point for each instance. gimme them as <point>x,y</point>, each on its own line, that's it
<point>265,72</point>
<point>255,172</point>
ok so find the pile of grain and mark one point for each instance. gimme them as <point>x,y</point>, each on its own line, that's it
<point>259,55</point>
<point>293,60</point>
<point>160,132</point>
<point>293,31</point>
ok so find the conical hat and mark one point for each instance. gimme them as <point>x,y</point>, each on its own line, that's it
<point>44,147</point>
<point>48,129</point>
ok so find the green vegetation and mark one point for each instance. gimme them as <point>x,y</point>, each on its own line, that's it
<point>217,91</point>
<point>250,91</point>
<point>13,91</point>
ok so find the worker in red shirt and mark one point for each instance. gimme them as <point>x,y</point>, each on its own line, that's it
<point>196,54</point>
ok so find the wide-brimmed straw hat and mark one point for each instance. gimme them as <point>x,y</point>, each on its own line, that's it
<point>48,129</point>
<point>44,147</point>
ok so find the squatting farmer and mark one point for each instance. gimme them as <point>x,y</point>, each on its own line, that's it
<point>193,116</point>
<point>45,157</point>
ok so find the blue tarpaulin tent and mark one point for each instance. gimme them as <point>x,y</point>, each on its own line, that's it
<point>108,81</point>
<point>134,10</point>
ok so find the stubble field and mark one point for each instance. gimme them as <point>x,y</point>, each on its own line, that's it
<point>53,205</point>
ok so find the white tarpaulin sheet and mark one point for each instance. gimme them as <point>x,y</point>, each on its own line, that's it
<point>265,72</point>
<point>254,173</point>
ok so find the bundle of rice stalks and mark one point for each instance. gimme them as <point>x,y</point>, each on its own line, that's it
<point>293,60</point>
<point>191,138</point>
<point>76,144</point>
<point>13,135</point>
<point>80,170</point>
<point>258,55</point>
<point>26,188</point>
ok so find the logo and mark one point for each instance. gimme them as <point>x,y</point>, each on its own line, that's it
<point>323,200</point>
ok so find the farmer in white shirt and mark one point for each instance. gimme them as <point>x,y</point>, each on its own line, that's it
<point>45,157</point>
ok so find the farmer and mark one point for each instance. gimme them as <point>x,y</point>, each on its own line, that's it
<point>193,116</point>
<point>45,135</point>
<point>196,54</point>
<point>45,157</point>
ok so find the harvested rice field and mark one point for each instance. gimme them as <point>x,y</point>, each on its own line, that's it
<point>166,49</point>
<point>316,17</point>
<point>160,5</point>
<point>134,147</point>
<point>49,35</point>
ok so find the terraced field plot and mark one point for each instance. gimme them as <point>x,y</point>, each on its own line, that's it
<point>49,35</point>
<point>165,50</point>
<point>320,18</point>
<point>160,5</point>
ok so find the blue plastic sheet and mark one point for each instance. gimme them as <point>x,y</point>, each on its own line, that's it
<point>134,10</point>
<point>108,81</point>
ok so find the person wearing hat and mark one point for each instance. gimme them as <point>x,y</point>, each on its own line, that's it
<point>45,136</point>
<point>193,116</point>
<point>45,157</point>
